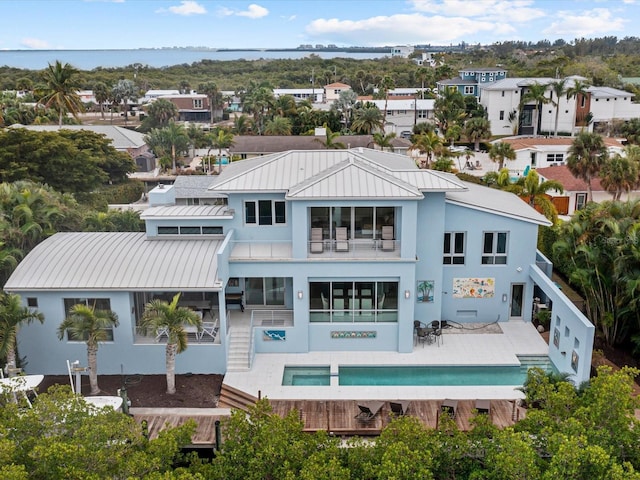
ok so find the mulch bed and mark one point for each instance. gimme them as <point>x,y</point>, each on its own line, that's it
<point>192,391</point>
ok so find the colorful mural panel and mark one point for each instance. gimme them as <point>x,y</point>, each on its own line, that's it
<point>474,287</point>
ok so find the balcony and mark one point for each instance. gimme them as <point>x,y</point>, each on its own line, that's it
<point>354,249</point>
<point>256,250</point>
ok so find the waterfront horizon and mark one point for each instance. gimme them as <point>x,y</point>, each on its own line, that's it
<point>161,57</point>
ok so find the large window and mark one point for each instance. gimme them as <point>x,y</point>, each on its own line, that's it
<point>494,249</point>
<point>581,200</point>
<point>360,222</point>
<point>555,157</point>
<point>96,304</point>
<point>453,251</point>
<point>349,302</point>
<point>265,212</point>
<point>468,90</point>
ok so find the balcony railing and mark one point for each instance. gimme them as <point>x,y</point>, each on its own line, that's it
<point>257,250</point>
<point>358,248</point>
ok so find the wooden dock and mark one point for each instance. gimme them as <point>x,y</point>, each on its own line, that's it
<point>335,416</point>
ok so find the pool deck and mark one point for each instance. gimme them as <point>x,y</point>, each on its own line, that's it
<point>517,338</point>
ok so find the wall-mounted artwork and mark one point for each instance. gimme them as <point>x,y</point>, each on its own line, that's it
<point>274,335</point>
<point>474,287</point>
<point>556,338</point>
<point>424,291</point>
<point>353,334</point>
<point>574,361</point>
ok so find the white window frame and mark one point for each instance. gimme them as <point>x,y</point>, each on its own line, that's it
<point>197,103</point>
<point>449,254</point>
<point>468,90</point>
<point>581,201</point>
<point>490,253</point>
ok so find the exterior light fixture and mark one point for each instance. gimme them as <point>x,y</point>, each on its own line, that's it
<point>504,297</point>
<point>407,294</point>
<point>300,294</point>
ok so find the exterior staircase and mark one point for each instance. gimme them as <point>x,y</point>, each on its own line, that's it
<point>239,349</point>
<point>233,398</point>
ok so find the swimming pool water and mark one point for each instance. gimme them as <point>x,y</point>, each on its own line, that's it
<point>411,375</point>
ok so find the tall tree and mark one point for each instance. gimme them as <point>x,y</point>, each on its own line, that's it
<point>586,156</point>
<point>559,89</point>
<point>101,94</point>
<point>61,89</point>
<point>160,112</point>
<point>387,83</point>
<point>449,109</point>
<point>367,119</point>
<point>329,141</point>
<point>477,129</point>
<point>210,89</point>
<point>172,139</point>
<point>171,318</point>
<point>123,91</point>
<point>578,90</point>
<point>429,144</point>
<point>12,316</point>
<point>385,142</point>
<point>93,326</point>
<point>278,126</point>
<point>535,192</point>
<point>501,151</point>
<point>536,93</point>
<point>220,139</point>
<point>259,101</point>
<point>619,174</point>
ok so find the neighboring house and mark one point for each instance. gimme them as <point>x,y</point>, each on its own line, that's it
<point>406,92</point>
<point>541,152</point>
<point>192,107</point>
<point>122,139</point>
<point>315,95</point>
<point>247,146</point>
<point>403,113</point>
<point>471,80</point>
<point>194,190</point>
<point>402,51</point>
<point>328,250</point>
<point>502,100</point>
<point>153,94</point>
<point>575,195</point>
<point>333,90</point>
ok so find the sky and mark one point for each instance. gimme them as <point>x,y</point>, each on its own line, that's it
<point>116,24</point>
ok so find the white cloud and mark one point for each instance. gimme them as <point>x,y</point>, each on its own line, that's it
<point>290,18</point>
<point>505,10</point>
<point>188,7</point>
<point>400,29</point>
<point>35,43</point>
<point>586,23</point>
<point>224,12</point>
<point>254,11</point>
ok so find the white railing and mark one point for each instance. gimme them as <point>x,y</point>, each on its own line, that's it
<point>267,318</point>
<point>358,248</point>
<point>252,249</point>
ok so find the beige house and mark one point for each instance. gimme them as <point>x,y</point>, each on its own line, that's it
<point>333,91</point>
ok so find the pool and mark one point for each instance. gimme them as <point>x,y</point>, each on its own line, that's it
<point>452,375</point>
<point>307,376</point>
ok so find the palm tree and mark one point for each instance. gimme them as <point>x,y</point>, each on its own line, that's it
<point>123,91</point>
<point>61,91</point>
<point>160,315</point>
<point>285,106</point>
<point>172,138</point>
<point>220,139</point>
<point>620,173</point>
<point>259,101</point>
<point>449,108</point>
<point>367,119</point>
<point>428,143</point>
<point>161,112</point>
<point>197,138</point>
<point>384,141</point>
<point>12,316</point>
<point>501,151</point>
<point>586,156</point>
<point>101,94</point>
<point>476,130</point>
<point>329,141</point>
<point>386,84</point>
<point>93,326</point>
<point>535,191</point>
<point>278,126</point>
<point>559,88</point>
<point>536,93</point>
<point>241,125</point>
<point>578,90</point>
<point>210,89</point>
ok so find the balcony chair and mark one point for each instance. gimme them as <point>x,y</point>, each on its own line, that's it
<point>342,239</point>
<point>317,243</point>
<point>388,242</point>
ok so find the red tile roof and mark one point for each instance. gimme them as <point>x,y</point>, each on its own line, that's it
<point>570,183</point>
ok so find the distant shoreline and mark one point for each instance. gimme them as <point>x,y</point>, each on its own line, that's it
<point>205,49</point>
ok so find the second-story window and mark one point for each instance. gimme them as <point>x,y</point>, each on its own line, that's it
<point>494,248</point>
<point>197,103</point>
<point>453,251</point>
<point>468,90</point>
<point>265,212</point>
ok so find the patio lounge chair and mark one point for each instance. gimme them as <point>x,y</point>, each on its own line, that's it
<point>342,240</point>
<point>399,408</point>
<point>483,407</point>
<point>388,242</point>
<point>449,407</point>
<point>317,244</point>
<point>368,410</point>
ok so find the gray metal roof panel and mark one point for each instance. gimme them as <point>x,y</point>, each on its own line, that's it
<point>186,211</point>
<point>117,261</point>
<point>121,138</point>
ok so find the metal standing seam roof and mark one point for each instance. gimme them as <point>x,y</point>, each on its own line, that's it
<point>187,211</point>
<point>117,261</point>
<point>608,92</point>
<point>195,186</point>
<point>497,202</point>
<point>121,138</point>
